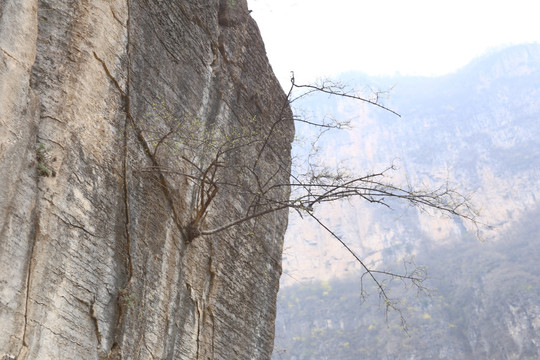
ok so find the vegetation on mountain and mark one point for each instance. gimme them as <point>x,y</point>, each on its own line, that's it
<point>484,307</point>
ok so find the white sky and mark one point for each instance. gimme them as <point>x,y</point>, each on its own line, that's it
<point>318,38</point>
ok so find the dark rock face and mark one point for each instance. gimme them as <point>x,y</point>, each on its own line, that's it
<point>95,262</point>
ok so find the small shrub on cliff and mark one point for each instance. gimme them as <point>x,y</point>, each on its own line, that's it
<point>127,299</point>
<point>43,159</point>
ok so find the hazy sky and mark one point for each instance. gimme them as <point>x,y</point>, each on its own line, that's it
<point>422,37</point>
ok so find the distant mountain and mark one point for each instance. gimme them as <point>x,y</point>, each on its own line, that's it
<point>477,128</point>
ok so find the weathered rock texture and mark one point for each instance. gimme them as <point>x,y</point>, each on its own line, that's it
<point>94,259</point>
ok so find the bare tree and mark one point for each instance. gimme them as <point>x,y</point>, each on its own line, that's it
<point>211,158</point>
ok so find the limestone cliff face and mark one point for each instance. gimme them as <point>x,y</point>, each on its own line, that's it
<point>94,259</point>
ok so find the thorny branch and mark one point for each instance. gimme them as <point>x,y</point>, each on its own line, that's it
<point>213,160</point>
<point>335,89</point>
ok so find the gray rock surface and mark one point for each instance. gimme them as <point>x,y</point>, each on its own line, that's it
<point>95,262</point>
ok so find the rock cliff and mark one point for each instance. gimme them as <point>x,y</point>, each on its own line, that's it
<point>95,259</point>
